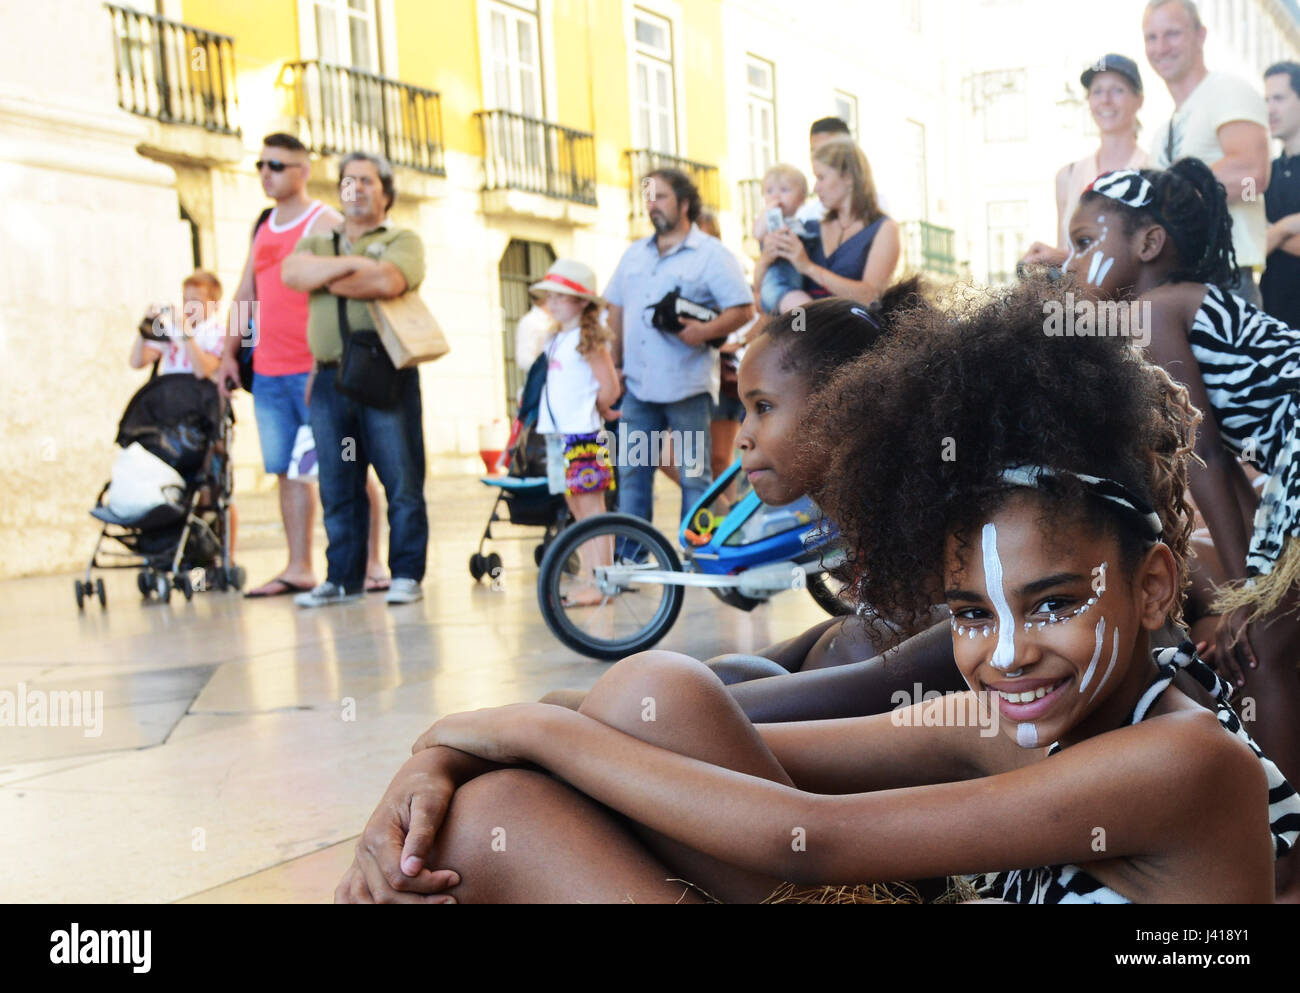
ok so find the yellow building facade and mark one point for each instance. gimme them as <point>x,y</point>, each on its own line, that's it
<point>519,130</point>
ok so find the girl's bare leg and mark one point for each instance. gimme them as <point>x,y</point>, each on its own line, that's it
<point>723,436</point>
<point>517,836</point>
<point>693,714</point>
<point>593,553</point>
<point>375,569</point>
<point>560,845</point>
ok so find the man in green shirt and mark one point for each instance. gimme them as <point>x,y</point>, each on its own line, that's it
<point>369,260</point>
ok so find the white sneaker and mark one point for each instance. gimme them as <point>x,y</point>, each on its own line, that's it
<point>324,595</point>
<point>404,591</point>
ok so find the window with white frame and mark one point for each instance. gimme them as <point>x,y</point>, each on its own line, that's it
<point>1008,222</point>
<point>760,106</point>
<point>346,34</point>
<point>846,109</point>
<point>1006,110</point>
<point>515,56</point>
<point>654,118</point>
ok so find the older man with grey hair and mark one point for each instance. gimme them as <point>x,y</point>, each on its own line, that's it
<point>365,259</point>
<point>1218,118</point>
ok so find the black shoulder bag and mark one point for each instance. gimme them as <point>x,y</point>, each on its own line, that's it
<point>366,374</point>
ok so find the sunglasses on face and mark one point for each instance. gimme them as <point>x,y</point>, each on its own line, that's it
<point>274,166</point>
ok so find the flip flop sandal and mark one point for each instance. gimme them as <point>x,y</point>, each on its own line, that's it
<point>285,589</point>
<point>377,585</point>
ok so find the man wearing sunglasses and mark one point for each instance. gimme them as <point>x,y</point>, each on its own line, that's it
<point>281,360</point>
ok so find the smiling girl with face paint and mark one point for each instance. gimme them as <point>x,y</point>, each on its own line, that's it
<point>1062,449</point>
<point>1164,239</point>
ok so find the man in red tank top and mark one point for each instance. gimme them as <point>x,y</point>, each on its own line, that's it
<point>282,361</point>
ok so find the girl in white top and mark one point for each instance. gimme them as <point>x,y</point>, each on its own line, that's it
<point>581,386</point>
<point>1114,88</point>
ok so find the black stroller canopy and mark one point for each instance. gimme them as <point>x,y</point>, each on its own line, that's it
<point>176,417</point>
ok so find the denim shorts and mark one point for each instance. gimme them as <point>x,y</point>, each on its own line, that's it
<point>280,409</point>
<point>781,278</point>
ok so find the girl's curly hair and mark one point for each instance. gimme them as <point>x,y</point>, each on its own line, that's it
<point>922,426</point>
<point>592,334</point>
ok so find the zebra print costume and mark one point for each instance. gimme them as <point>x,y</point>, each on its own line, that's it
<point>1250,363</point>
<point>1073,884</point>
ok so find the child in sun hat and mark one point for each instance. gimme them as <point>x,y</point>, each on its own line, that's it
<point>581,385</point>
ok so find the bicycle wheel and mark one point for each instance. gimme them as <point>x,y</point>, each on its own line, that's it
<point>624,616</point>
<point>829,594</point>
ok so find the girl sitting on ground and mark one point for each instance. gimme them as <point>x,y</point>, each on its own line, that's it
<point>1165,238</point>
<point>1041,538</point>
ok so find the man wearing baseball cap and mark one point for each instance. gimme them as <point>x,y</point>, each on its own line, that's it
<point>1218,118</point>
<point>1114,88</point>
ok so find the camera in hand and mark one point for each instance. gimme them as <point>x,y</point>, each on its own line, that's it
<point>155,324</point>
<point>667,314</point>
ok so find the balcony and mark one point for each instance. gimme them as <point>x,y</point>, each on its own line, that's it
<point>340,109</point>
<point>929,248</point>
<point>549,166</point>
<point>174,73</point>
<point>643,160</point>
<point>751,203</point>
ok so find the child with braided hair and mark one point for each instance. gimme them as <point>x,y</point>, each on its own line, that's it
<point>1040,535</point>
<point>1163,239</point>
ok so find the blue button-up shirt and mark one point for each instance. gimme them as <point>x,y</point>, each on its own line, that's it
<point>660,367</point>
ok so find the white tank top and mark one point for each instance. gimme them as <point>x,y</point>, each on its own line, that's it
<point>569,398</point>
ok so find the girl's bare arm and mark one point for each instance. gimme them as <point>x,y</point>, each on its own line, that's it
<point>1138,783</point>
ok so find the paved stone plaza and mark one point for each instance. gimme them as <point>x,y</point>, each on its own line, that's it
<point>225,770</point>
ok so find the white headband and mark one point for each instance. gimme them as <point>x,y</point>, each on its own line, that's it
<point>1031,476</point>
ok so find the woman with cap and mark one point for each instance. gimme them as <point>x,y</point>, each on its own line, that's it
<point>1114,88</point>
<point>581,387</point>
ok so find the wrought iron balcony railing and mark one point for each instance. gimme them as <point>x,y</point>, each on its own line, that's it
<point>174,72</point>
<point>340,109</point>
<point>536,156</point>
<point>930,248</point>
<point>644,160</point>
<point>751,202</point>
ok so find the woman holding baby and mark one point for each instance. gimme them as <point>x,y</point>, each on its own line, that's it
<point>852,252</point>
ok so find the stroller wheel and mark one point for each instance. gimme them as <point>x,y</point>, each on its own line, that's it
<point>144,583</point>
<point>494,564</point>
<point>81,595</point>
<point>186,586</point>
<point>539,553</point>
<point>477,566</point>
<point>216,579</point>
<point>237,577</point>
<point>99,592</point>
<point>828,594</point>
<point>162,587</point>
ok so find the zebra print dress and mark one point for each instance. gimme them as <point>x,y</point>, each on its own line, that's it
<point>1071,883</point>
<point>1250,364</point>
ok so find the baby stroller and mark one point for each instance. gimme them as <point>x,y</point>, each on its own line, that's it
<point>178,426</point>
<point>525,496</point>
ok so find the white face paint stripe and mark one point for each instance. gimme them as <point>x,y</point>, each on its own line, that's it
<point>1027,736</point>
<point>1093,267</point>
<point>1100,634</point>
<point>1114,654</point>
<point>1004,655</point>
<point>1101,274</point>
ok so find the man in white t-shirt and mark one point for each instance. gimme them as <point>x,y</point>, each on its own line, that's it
<point>195,343</point>
<point>530,335</point>
<point>1219,119</point>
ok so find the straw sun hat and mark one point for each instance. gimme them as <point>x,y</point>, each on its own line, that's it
<point>570,277</point>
